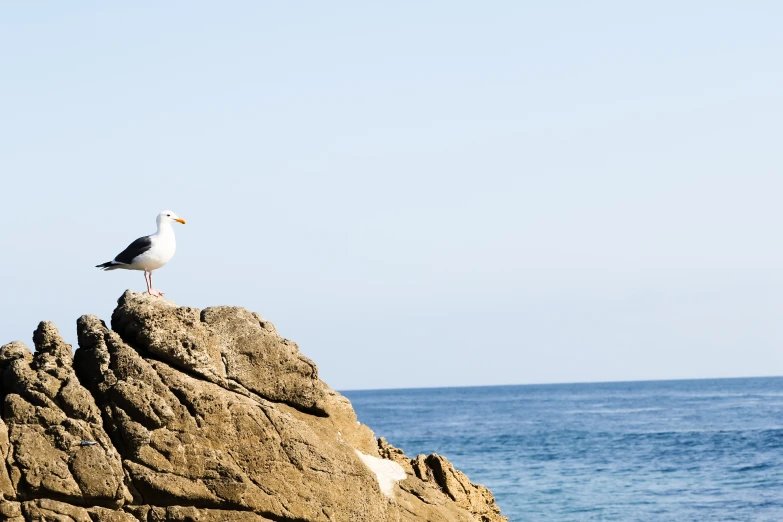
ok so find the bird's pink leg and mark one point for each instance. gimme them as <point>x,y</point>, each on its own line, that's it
<point>147,281</point>
<point>152,291</point>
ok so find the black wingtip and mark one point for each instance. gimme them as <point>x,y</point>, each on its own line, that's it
<point>104,265</point>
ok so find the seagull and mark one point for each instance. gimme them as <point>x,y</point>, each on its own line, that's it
<point>149,253</point>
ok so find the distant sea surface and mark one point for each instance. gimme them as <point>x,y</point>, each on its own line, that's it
<point>632,451</point>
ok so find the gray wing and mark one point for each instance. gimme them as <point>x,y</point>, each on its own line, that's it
<point>134,250</point>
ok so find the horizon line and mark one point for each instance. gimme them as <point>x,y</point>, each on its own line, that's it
<point>412,388</point>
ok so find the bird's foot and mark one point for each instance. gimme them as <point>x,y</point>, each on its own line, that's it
<point>156,293</point>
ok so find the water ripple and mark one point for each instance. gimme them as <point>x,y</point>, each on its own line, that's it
<point>650,451</point>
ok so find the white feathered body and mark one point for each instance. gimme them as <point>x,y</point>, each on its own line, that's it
<point>163,247</point>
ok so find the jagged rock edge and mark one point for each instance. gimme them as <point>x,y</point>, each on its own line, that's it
<point>127,479</point>
<point>138,502</point>
<point>236,386</point>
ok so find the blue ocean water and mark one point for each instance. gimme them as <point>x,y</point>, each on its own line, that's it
<point>631,451</point>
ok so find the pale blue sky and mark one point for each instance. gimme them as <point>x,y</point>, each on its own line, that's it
<point>417,193</point>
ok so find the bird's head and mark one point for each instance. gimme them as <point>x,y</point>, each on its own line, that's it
<point>167,216</point>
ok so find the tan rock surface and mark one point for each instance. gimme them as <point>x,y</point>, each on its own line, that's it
<point>47,414</point>
<point>209,415</point>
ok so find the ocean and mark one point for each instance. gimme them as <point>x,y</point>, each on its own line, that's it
<point>629,451</point>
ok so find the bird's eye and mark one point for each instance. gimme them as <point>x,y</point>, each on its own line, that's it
<point>168,215</point>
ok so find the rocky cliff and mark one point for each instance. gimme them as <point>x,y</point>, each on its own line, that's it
<point>180,414</point>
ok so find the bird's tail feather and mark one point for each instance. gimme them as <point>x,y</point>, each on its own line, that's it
<point>108,265</point>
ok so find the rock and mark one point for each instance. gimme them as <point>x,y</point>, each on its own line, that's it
<point>51,510</point>
<point>11,511</point>
<point>241,352</point>
<point>387,451</point>
<point>200,415</point>
<point>47,413</point>
<point>187,441</point>
<point>99,514</point>
<point>474,498</point>
<point>46,510</point>
<point>191,514</point>
<point>6,487</point>
<point>229,346</point>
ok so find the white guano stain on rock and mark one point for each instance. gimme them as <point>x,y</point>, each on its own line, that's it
<point>388,472</point>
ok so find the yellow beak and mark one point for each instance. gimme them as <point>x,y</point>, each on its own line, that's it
<point>179,220</point>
